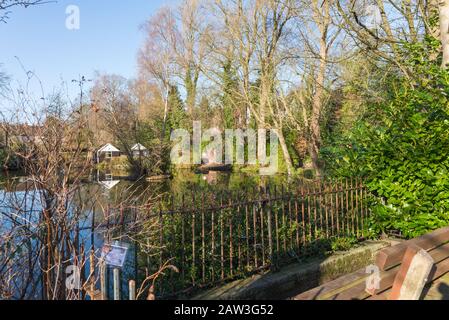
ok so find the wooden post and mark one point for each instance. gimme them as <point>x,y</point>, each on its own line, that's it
<point>132,290</point>
<point>413,274</point>
<point>103,280</point>
<point>92,270</point>
<point>116,284</point>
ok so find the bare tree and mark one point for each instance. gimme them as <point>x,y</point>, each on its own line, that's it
<point>52,151</point>
<point>42,214</point>
<point>157,58</point>
<point>253,35</point>
<point>7,5</point>
<point>321,39</point>
<point>3,78</point>
<point>174,50</point>
<point>380,27</point>
<point>118,115</point>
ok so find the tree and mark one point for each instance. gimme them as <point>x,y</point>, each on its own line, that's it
<point>157,58</point>
<point>177,115</point>
<point>174,48</point>
<point>319,37</point>
<point>7,5</point>
<point>3,78</point>
<point>192,52</point>
<point>117,112</point>
<point>40,219</point>
<point>233,113</point>
<point>381,27</point>
<point>253,36</point>
<point>444,27</point>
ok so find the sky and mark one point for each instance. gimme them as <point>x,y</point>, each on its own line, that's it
<point>37,39</point>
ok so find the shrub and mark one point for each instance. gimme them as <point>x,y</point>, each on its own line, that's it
<point>403,151</point>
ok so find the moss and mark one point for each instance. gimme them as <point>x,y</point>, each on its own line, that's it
<point>345,264</point>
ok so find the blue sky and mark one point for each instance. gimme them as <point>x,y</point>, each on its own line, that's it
<point>107,41</point>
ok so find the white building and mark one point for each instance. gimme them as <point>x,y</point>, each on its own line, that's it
<point>139,150</point>
<point>107,153</point>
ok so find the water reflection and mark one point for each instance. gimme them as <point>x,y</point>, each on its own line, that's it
<point>111,204</point>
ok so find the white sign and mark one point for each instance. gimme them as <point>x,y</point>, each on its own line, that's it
<point>114,255</point>
<point>73,280</point>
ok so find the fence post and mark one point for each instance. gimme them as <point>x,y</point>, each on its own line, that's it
<point>92,270</point>
<point>270,236</point>
<point>116,284</point>
<point>103,280</point>
<point>132,290</point>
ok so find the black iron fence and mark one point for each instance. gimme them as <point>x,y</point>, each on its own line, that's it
<point>214,238</point>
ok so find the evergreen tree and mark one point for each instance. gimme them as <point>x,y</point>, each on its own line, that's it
<point>177,118</point>
<point>230,111</point>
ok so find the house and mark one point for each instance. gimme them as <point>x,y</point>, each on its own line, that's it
<point>139,150</point>
<point>20,134</point>
<point>107,181</point>
<point>107,153</point>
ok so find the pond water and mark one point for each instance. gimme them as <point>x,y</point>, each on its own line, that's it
<point>194,241</point>
<point>202,230</point>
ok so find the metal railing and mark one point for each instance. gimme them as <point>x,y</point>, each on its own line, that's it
<point>214,238</point>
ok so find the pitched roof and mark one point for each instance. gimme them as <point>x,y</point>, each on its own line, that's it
<point>138,147</point>
<point>109,184</point>
<point>108,148</point>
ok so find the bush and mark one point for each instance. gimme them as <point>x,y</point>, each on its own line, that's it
<point>403,151</point>
<point>343,244</point>
<point>8,161</point>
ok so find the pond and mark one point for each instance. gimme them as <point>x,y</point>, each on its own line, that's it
<point>206,228</point>
<point>198,242</point>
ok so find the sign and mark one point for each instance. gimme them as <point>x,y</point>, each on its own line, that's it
<point>114,255</point>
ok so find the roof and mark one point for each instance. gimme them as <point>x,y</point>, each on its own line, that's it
<point>109,184</point>
<point>108,148</point>
<point>138,147</point>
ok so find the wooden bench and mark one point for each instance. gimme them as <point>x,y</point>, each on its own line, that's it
<point>388,260</point>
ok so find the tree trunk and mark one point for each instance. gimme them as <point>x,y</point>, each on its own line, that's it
<point>191,82</point>
<point>286,154</point>
<point>317,107</point>
<point>323,20</point>
<point>444,27</point>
